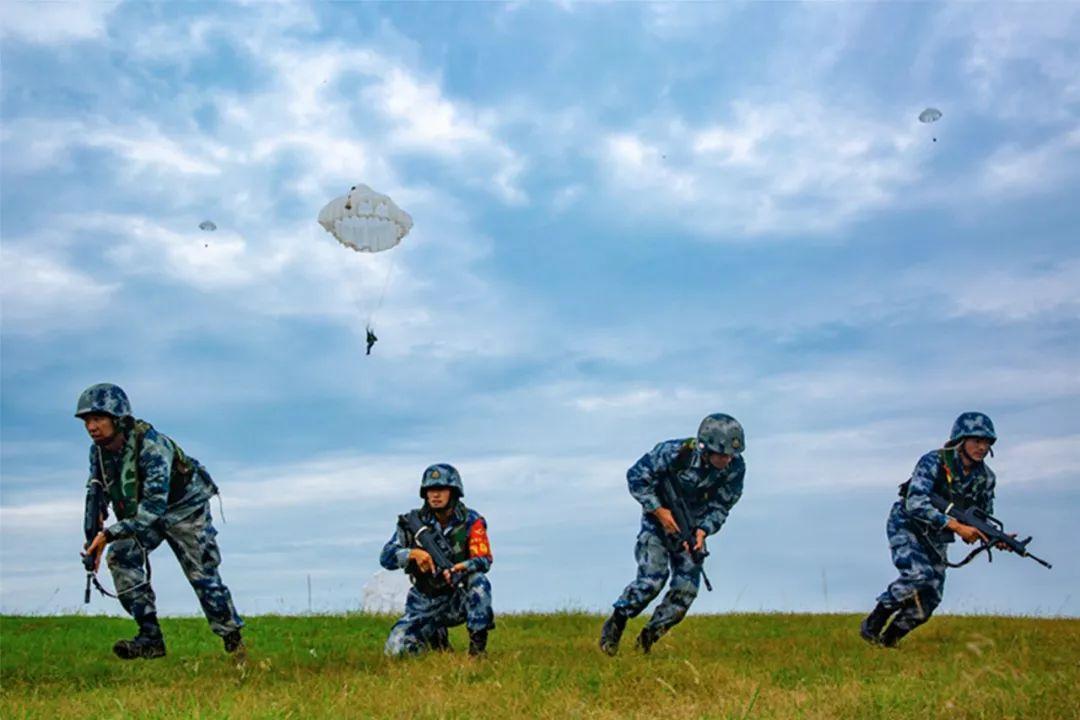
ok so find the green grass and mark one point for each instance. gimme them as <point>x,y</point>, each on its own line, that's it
<point>548,666</point>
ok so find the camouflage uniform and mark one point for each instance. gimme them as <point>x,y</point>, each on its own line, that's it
<point>710,493</point>
<point>423,626</point>
<point>918,534</point>
<point>162,496</point>
<point>918,539</point>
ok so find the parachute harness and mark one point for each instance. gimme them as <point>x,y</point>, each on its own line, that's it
<point>146,556</point>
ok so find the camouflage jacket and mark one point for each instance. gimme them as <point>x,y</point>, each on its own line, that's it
<point>710,493</point>
<point>161,498</point>
<point>976,488</point>
<point>466,532</point>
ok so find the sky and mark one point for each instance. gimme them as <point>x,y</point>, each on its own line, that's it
<point>626,216</point>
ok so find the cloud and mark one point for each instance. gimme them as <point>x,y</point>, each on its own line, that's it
<point>797,168</point>
<point>1012,169</point>
<point>55,23</point>
<point>42,293</point>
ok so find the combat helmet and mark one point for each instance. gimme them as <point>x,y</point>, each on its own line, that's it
<point>972,425</point>
<point>442,475</point>
<point>720,433</point>
<point>103,398</point>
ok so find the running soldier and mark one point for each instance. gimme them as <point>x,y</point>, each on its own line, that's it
<point>707,471</point>
<point>158,494</point>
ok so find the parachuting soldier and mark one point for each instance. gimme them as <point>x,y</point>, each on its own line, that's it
<point>444,548</point>
<point>707,471</point>
<point>919,533</point>
<point>158,494</point>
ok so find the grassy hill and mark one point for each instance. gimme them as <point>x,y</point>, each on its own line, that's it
<point>728,666</point>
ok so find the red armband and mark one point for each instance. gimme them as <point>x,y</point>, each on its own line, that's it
<point>478,540</point>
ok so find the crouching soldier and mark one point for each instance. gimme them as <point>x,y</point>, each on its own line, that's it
<point>919,533</point>
<point>444,548</point>
<point>705,474</point>
<point>158,494</point>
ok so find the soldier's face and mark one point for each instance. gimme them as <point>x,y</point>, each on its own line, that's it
<point>719,460</point>
<point>100,427</point>
<point>438,497</point>
<point>977,448</point>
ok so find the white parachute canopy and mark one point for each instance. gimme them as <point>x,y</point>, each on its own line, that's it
<point>365,220</point>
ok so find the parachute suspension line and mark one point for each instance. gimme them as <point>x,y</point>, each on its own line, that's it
<point>382,293</point>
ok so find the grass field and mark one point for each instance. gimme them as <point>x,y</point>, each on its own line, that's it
<point>727,666</point>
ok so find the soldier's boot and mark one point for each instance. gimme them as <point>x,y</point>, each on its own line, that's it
<point>148,644</point>
<point>612,631</point>
<point>440,641</point>
<point>892,635</point>
<point>647,638</point>
<point>478,643</point>
<point>234,644</point>
<point>872,624</point>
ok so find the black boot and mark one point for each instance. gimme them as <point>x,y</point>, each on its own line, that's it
<point>478,642</point>
<point>647,638</point>
<point>234,644</point>
<point>612,631</point>
<point>872,624</point>
<point>440,641</point>
<point>148,644</point>
<point>892,635</point>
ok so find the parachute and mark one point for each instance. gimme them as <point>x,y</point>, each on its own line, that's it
<point>929,115</point>
<point>207,225</point>
<point>365,220</point>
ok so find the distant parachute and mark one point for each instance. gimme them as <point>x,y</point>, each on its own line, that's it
<point>929,115</point>
<point>365,220</point>
<point>207,225</point>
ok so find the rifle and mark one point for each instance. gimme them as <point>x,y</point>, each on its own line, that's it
<point>435,544</point>
<point>988,525</point>
<point>93,521</point>
<point>670,494</point>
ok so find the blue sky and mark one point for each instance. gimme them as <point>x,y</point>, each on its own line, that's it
<point>626,216</point>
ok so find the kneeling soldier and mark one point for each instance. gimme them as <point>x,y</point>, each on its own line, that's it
<point>158,494</point>
<point>444,548</point>
<point>706,473</point>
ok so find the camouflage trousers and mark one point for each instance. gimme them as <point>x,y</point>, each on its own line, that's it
<point>921,562</point>
<point>653,560</point>
<point>426,616</point>
<point>193,542</point>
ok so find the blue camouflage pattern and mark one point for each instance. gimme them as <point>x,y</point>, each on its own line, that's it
<point>972,424</point>
<point>184,524</point>
<point>721,433</point>
<point>155,468</point>
<point>918,538</point>
<point>441,475</point>
<point>426,615</point>
<point>193,541</point>
<point>710,495</point>
<point>103,398</point>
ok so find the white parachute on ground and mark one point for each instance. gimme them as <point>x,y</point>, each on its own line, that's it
<point>365,220</point>
<point>385,592</point>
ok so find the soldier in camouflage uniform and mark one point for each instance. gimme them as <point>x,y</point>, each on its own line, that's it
<point>919,533</point>
<point>158,494</point>
<point>710,470</point>
<point>435,603</point>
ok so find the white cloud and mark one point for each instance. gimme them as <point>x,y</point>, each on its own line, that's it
<point>1016,295</point>
<point>54,23</point>
<point>1012,169</point>
<point>42,293</point>
<point>801,167</point>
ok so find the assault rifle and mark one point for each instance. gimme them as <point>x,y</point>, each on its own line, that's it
<point>435,544</point>
<point>670,493</point>
<point>93,521</point>
<point>988,525</point>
